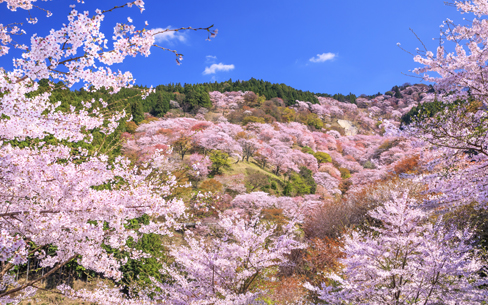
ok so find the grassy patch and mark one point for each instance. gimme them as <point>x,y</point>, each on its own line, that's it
<point>244,168</point>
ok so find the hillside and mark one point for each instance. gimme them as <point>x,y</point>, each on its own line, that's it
<point>324,164</point>
<point>241,192</point>
<point>281,139</point>
<point>266,170</point>
<point>315,167</point>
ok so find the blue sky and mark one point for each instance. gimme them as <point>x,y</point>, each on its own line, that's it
<point>325,46</point>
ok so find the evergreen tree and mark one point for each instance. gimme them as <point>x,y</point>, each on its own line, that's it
<point>162,104</point>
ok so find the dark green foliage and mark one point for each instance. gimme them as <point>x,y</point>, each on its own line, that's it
<point>301,183</point>
<point>140,270</point>
<point>162,103</point>
<point>307,177</point>
<point>137,111</point>
<point>269,90</point>
<point>350,98</point>
<point>405,86</point>
<point>396,91</point>
<point>424,110</point>
<point>371,96</point>
<point>128,99</point>
<point>195,97</point>
<point>274,185</point>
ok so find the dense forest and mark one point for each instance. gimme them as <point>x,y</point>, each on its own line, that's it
<point>261,87</point>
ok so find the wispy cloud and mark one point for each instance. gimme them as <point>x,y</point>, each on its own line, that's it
<point>217,67</point>
<point>210,58</point>
<point>323,57</point>
<point>169,36</point>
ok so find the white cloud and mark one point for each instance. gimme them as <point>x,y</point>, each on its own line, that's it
<point>217,67</point>
<point>323,57</point>
<point>210,58</point>
<point>168,36</point>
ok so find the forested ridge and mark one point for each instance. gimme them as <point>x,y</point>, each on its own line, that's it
<point>190,97</point>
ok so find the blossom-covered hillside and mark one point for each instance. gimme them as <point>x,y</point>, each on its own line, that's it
<point>344,145</point>
<point>237,193</point>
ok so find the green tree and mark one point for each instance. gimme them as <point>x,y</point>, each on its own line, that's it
<point>287,114</point>
<point>301,183</point>
<point>219,160</point>
<point>314,121</point>
<point>141,270</point>
<point>396,90</point>
<point>137,111</point>
<point>191,100</point>
<point>203,98</point>
<point>425,110</point>
<point>296,186</point>
<point>162,104</point>
<point>322,157</point>
<point>252,119</point>
<point>307,177</point>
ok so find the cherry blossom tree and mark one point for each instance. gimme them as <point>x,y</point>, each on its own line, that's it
<point>327,182</point>
<point>264,154</point>
<point>56,195</point>
<point>219,137</point>
<point>303,159</point>
<point>199,166</point>
<point>407,260</point>
<point>296,208</point>
<point>457,133</point>
<point>226,268</point>
<point>282,160</point>
<point>249,147</point>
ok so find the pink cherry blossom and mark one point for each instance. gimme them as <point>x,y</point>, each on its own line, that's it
<point>408,260</point>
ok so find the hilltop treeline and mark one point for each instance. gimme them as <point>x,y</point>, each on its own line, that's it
<point>261,87</point>
<point>190,97</point>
